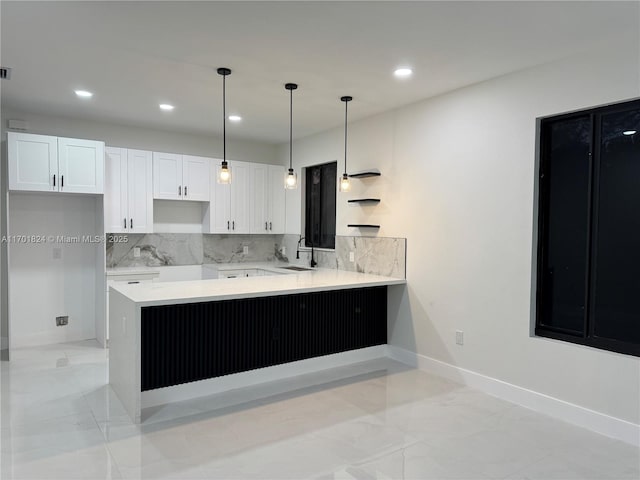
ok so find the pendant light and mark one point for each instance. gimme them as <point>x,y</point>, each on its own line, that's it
<point>345,184</point>
<point>224,172</point>
<point>291,180</point>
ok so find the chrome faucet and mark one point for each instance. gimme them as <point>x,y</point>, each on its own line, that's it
<point>313,262</point>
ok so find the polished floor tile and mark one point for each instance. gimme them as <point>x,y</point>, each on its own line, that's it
<point>59,419</point>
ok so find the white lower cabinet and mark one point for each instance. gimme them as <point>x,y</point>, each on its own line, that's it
<point>128,200</point>
<point>42,163</point>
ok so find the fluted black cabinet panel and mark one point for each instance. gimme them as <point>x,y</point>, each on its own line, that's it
<point>196,341</point>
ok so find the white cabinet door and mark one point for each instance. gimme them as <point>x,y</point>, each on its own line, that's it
<point>196,181</point>
<point>140,191</point>
<point>259,198</point>
<point>33,162</point>
<point>220,208</point>
<point>167,176</point>
<point>275,193</point>
<point>80,165</point>
<point>240,200</point>
<point>115,190</point>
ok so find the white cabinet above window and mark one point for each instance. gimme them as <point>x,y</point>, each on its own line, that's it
<point>42,163</point>
<point>181,177</point>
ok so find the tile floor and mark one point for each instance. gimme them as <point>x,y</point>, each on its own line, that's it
<point>375,420</point>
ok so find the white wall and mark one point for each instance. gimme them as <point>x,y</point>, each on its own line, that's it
<point>143,138</point>
<point>458,175</point>
<point>42,287</point>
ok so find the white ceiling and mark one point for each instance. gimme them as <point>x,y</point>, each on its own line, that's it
<point>135,55</point>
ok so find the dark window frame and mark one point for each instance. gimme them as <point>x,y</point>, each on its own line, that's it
<point>320,205</point>
<point>587,337</point>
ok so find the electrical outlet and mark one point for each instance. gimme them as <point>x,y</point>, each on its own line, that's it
<point>352,257</point>
<point>136,252</point>
<point>62,321</point>
<point>57,253</point>
<point>459,337</point>
<point>245,250</point>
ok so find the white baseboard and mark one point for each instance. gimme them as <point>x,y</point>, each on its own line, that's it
<point>250,378</point>
<point>598,422</point>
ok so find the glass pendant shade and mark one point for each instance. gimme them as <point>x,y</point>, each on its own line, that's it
<point>291,180</point>
<point>345,183</point>
<point>224,173</point>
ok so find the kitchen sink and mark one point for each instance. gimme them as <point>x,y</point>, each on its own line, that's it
<point>296,269</point>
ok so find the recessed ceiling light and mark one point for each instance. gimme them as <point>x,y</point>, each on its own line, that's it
<point>166,107</point>
<point>84,94</point>
<point>629,132</point>
<point>402,72</point>
<point>235,118</point>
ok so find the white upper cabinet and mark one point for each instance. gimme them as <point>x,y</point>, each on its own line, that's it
<point>167,176</point>
<point>51,164</point>
<point>81,165</point>
<point>196,178</point>
<point>229,210</point>
<point>276,200</point>
<point>128,202</point>
<point>259,210</point>
<point>140,191</point>
<point>181,177</point>
<point>115,190</point>
<point>267,213</point>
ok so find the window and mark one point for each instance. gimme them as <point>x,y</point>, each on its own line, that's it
<point>588,289</point>
<point>320,205</point>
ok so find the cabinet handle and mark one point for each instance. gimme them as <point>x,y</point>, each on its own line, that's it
<point>54,179</point>
<point>61,181</point>
<point>125,223</point>
<point>228,228</point>
<point>234,225</point>
<point>131,220</point>
<point>265,226</point>
<point>185,190</point>
<point>179,191</point>
<point>270,226</point>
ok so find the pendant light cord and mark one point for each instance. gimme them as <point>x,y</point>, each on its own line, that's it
<point>290,129</point>
<point>346,104</point>
<point>224,118</point>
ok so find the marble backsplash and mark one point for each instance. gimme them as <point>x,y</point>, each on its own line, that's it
<point>376,255</point>
<point>164,249</point>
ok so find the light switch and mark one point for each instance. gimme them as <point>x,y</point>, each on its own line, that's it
<point>352,257</point>
<point>245,250</point>
<point>136,252</point>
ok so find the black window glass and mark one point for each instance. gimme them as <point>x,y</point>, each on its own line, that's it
<point>566,188</point>
<point>588,273</point>
<point>616,277</point>
<point>320,205</point>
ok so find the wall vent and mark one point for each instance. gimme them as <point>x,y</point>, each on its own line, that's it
<point>5,73</point>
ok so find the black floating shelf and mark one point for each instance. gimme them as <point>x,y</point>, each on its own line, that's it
<point>364,200</point>
<point>370,173</point>
<point>362,225</point>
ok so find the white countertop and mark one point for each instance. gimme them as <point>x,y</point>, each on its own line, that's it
<point>318,279</point>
